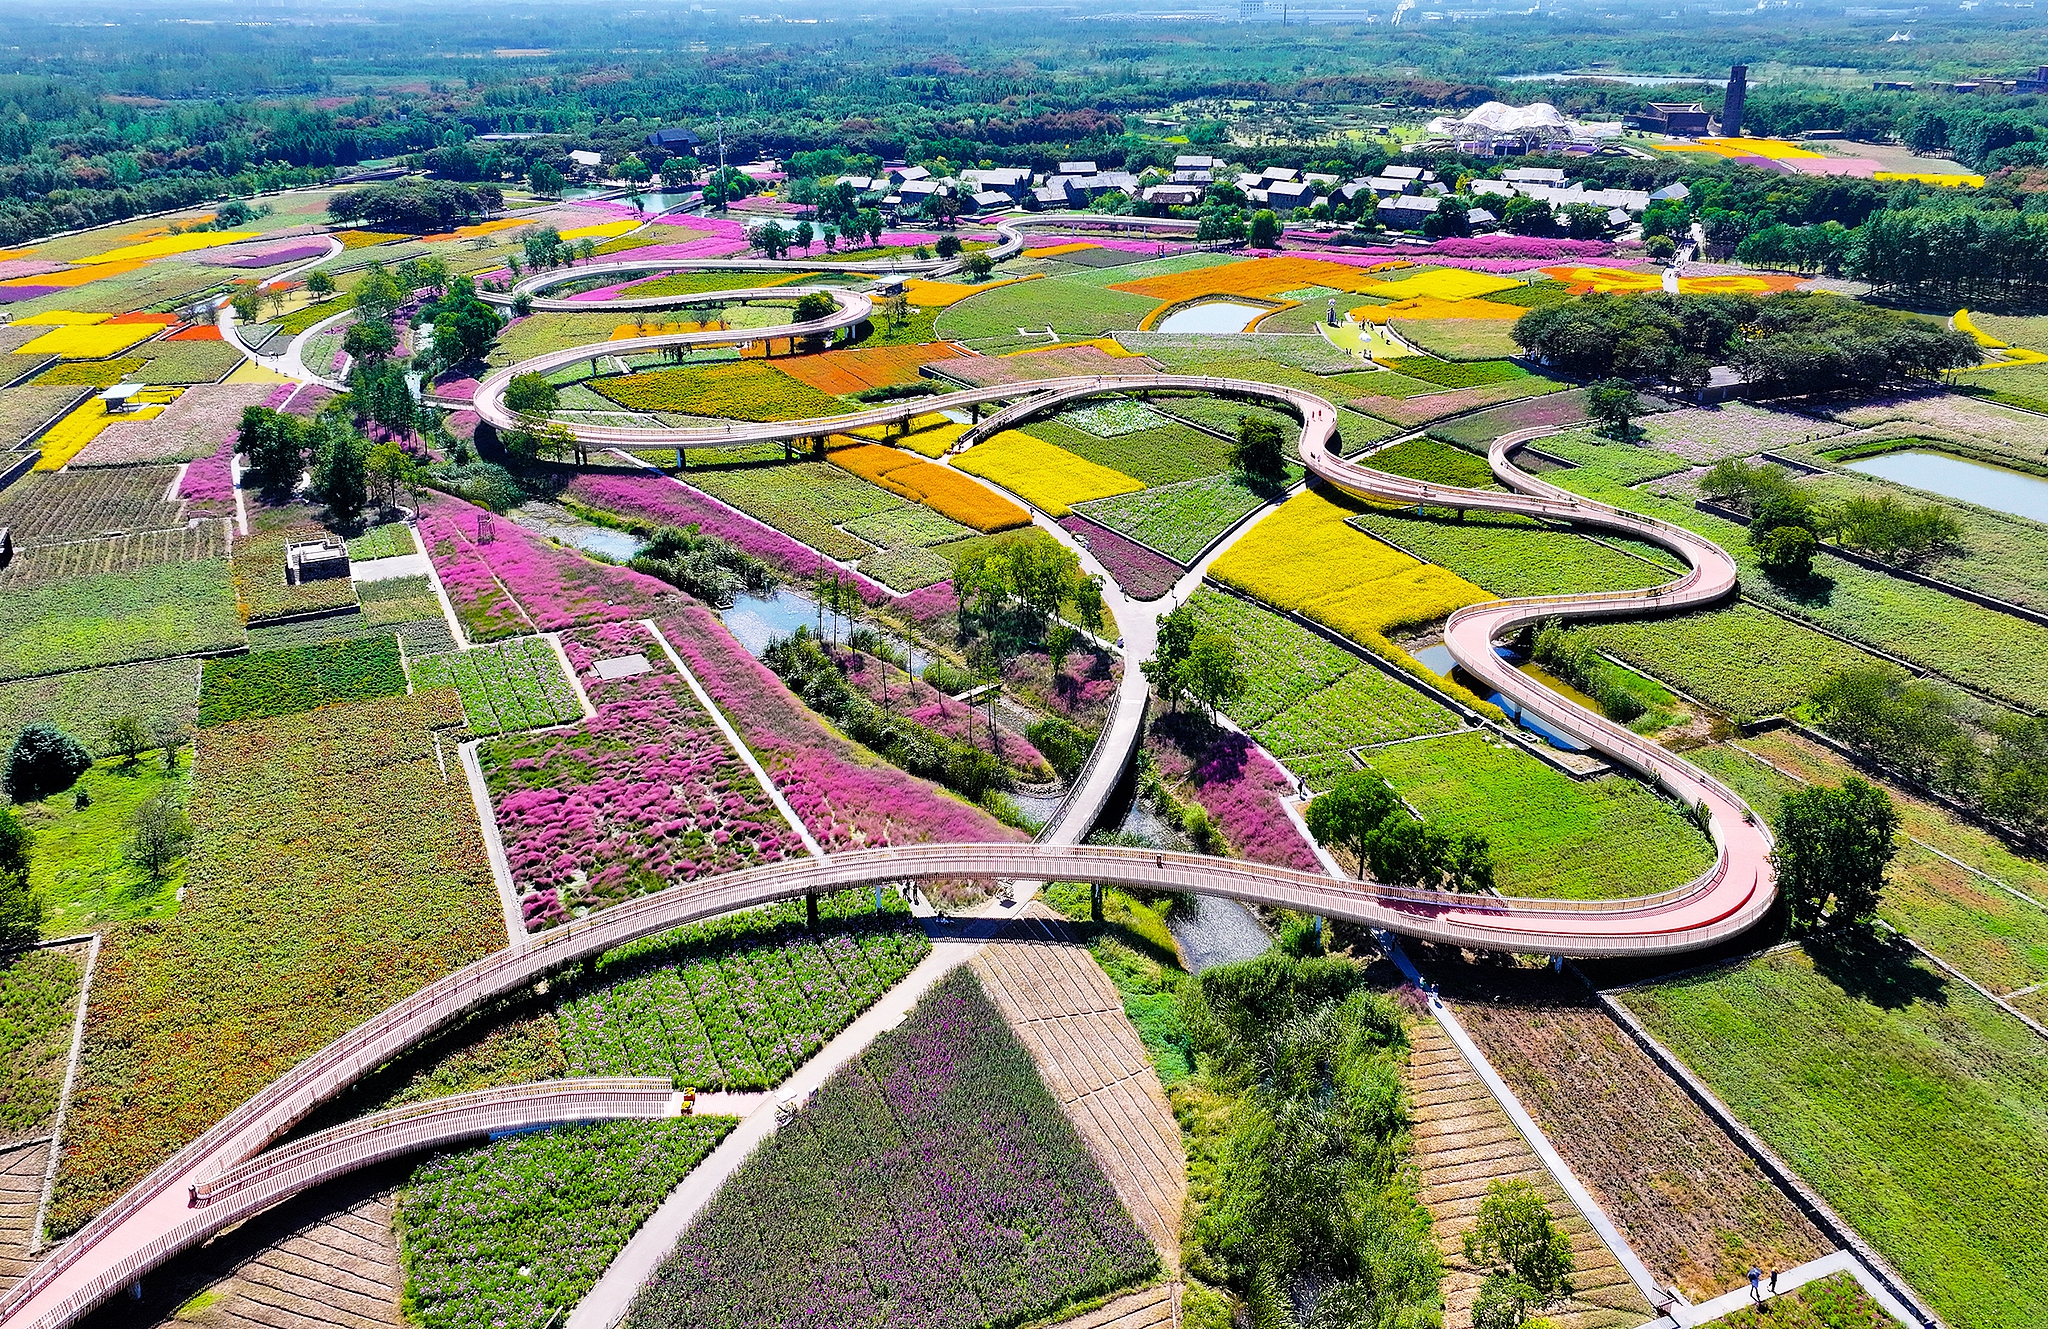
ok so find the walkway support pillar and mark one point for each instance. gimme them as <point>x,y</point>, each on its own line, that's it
<point>811,912</point>
<point>1095,901</point>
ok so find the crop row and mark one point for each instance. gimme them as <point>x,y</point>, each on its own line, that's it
<point>193,426</point>
<point>1069,306</point>
<point>37,989</point>
<point>267,683</point>
<point>334,869</point>
<point>46,507</point>
<point>179,608</point>
<point>937,487</point>
<point>644,794</point>
<point>1181,520</point>
<point>1141,573</point>
<point>933,1181</point>
<point>518,1230</point>
<point>740,1003</point>
<point>1456,374</point>
<point>504,686</point>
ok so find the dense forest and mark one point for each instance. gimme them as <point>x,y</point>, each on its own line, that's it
<point>109,112</point>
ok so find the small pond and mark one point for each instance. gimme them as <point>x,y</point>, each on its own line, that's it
<point>1215,316</point>
<point>1212,931</point>
<point>654,202</point>
<point>1976,482</point>
<point>558,523</point>
<point>756,620</point>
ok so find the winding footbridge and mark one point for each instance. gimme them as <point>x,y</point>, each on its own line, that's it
<point>226,1174</point>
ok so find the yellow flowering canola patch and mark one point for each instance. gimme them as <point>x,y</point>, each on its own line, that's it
<point>1620,281</point>
<point>2009,354</point>
<point>92,341</point>
<point>1303,557</point>
<point>1043,474</point>
<point>1107,345</point>
<point>1429,306</point>
<point>60,318</point>
<point>68,437</point>
<point>1443,284</point>
<point>1054,251</point>
<point>1775,149</point>
<point>938,294</point>
<point>602,231</point>
<point>173,244</point>
<point>628,331</point>
<point>353,239</point>
<point>1265,278</point>
<point>1931,178</point>
<point>77,276</point>
<point>471,232</point>
<point>939,488</point>
<point>250,372</point>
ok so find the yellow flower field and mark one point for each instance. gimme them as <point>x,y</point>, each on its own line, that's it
<point>90,341</point>
<point>1443,284</point>
<point>60,318</point>
<point>172,244</point>
<point>1303,557</point>
<point>354,239</point>
<point>943,491</point>
<point>1044,474</point>
<point>1430,306</point>
<point>938,294</point>
<point>68,437</point>
<point>929,436</point>
<point>601,231</point>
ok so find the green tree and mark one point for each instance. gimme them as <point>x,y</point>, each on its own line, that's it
<point>1785,553</point>
<point>980,265</point>
<point>531,395</point>
<point>1529,1262</point>
<point>464,331</point>
<point>378,294</point>
<point>1260,450</point>
<point>1613,402</point>
<point>369,341</point>
<point>21,906</point>
<point>1265,229</point>
<point>1214,675</point>
<point>158,835</point>
<point>43,761</point>
<point>1834,846</point>
<point>387,468</point>
<point>1350,812</point>
<point>1167,667</point>
<point>341,472</point>
<point>949,246</point>
<point>275,445</point>
<point>247,303</point>
<point>129,736</point>
<point>814,306</point>
<point>319,284</point>
<point>543,178</point>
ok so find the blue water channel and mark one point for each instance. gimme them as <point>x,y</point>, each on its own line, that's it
<point>558,523</point>
<point>756,620</point>
<point>1437,660</point>
<point>1987,486</point>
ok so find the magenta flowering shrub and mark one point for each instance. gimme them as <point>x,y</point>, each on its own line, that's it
<point>934,1182</point>
<point>1235,782</point>
<point>549,587</point>
<point>1084,691</point>
<point>307,400</point>
<point>847,797</point>
<point>652,497</point>
<point>644,794</point>
<point>1142,574</point>
<point>890,687</point>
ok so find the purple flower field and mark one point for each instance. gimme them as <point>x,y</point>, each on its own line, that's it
<point>1142,574</point>
<point>933,1183</point>
<point>644,795</point>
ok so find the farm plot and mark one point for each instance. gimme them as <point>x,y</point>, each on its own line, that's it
<point>1948,415</point>
<point>175,363</point>
<point>39,992</point>
<point>1857,1072</point>
<point>116,617</point>
<point>1556,410</point>
<point>1161,455</point>
<point>1693,1205</point>
<point>842,372</point>
<point>1512,555</point>
<point>642,795</point>
<point>1743,661</point>
<point>158,692</point>
<point>1181,520</point>
<point>1706,434</point>
<point>1995,937</point>
<point>516,1231</point>
<point>536,334</point>
<point>27,408</point>
<point>740,1002</point>
<point>1046,476</point>
<point>1411,410</point>
<point>48,507</point>
<point>1305,696</point>
<point>743,390</point>
<point>1459,339</point>
<point>404,605</point>
<point>806,500</point>
<point>1069,306</point>
<point>937,487</point>
<point>517,581</point>
<point>1454,374</point>
<point>259,564</point>
<point>335,869</point>
<point>193,426</point>
<point>285,682</point>
<point>1143,574</point>
<point>1552,836</point>
<point>933,1174</point>
<point>505,686</point>
<point>1436,463</point>
<point>117,553</point>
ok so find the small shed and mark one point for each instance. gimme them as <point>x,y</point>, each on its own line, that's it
<point>315,560</point>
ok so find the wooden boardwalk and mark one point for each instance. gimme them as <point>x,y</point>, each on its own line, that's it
<point>1463,1141</point>
<point>1068,1014</point>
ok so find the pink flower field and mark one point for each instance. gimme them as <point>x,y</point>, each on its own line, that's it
<point>521,582</point>
<point>846,797</point>
<point>1236,782</point>
<point>644,795</point>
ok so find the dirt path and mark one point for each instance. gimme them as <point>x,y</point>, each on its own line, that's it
<point>1151,1308</point>
<point>1695,1208</point>
<point>325,1260</point>
<point>1463,1141</point>
<point>21,1189</point>
<point>1068,1014</point>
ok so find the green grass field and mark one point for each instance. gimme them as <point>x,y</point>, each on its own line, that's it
<point>1511,555</point>
<point>1552,835</point>
<point>1069,307</point>
<point>80,858</point>
<point>115,617</point>
<point>1915,1107</point>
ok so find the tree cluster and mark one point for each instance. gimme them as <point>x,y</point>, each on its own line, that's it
<point>1192,661</point>
<point>1361,814</point>
<point>415,206</point>
<point>703,565</point>
<point>1882,526</point>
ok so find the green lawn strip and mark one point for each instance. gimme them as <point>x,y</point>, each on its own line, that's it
<point>1994,937</point>
<point>1465,339</point>
<point>117,617</point>
<point>38,994</point>
<point>1356,432</point>
<point>1834,1302</point>
<point>1435,463</point>
<point>916,330</point>
<point>1180,520</point>
<point>1997,653</point>
<point>1305,696</point>
<point>524,338</point>
<point>299,320</point>
<point>80,859</point>
<point>744,390</point>
<point>1912,1105</point>
<point>1161,456</point>
<point>1552,835</point>
<point>910,524</point>
<point>391,540</point>
<point>1071,307</point>
<point>1743,661</point>
<point>518,1230</point>
<point>259,685</point>
<point>1513,555</point>
<point>506,685</point>
<point>1476,431</point>
<point>1221,353</point>
<point>1134,947</point>
<point>804,500</point>
<point>158,692</point>
<point>1457,373</point>
<point>1617,463</point>
<point>908,567</point>
<point>335,869</point>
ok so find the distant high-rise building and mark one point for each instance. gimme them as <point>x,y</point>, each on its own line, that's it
<point>1731,108</point>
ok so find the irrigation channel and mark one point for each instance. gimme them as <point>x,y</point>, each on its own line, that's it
<point>157,1217</point>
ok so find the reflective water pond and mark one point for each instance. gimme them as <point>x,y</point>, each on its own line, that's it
<point>558,523</point>
<point>1216,316</point>
<point>1950,476</point>
<point>756,620</point>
